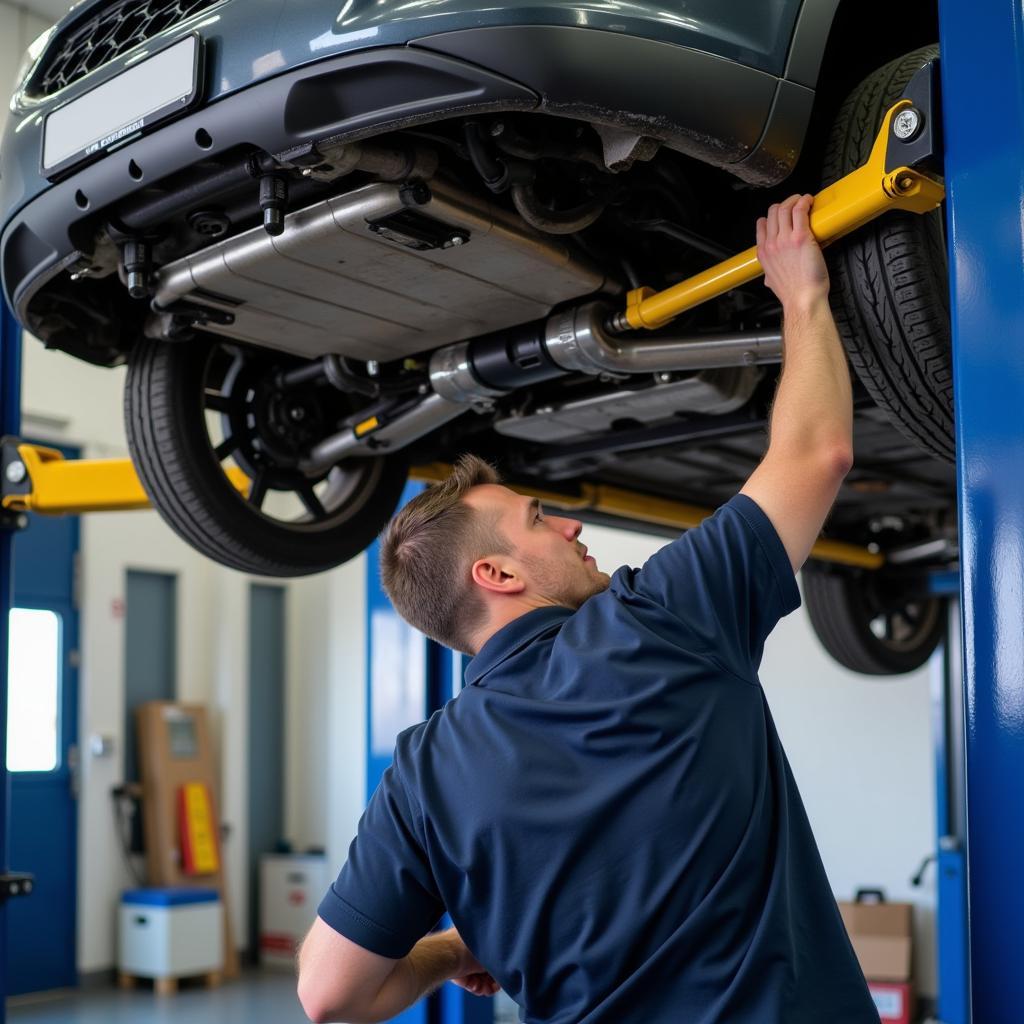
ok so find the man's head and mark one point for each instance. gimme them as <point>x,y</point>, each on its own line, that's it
<point>469,555</point>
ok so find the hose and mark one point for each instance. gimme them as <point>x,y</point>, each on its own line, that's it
<point>494,172</point>
<point>554,222</point>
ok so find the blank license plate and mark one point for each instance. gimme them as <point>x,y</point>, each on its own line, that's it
<point>149,92</point>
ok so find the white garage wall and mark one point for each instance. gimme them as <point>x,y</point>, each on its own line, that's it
<point>327,709</point>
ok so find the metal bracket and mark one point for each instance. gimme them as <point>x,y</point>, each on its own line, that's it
<point>915,138</point>
<point>38,479</point>
<point>14,481</point>
<point>15,884</point>
<point>909,132</point>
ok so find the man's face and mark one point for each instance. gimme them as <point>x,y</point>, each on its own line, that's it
<point>546,551</point>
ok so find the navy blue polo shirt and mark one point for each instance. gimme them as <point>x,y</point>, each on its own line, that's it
<point>607,814</point>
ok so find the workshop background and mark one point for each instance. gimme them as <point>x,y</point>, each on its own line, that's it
<point>860,747</point>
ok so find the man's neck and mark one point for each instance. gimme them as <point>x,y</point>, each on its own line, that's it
<point>508,611</point>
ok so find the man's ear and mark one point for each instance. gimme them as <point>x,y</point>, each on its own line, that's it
<point>498,574</point>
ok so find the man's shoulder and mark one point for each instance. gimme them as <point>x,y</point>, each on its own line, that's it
<point>420,744</point>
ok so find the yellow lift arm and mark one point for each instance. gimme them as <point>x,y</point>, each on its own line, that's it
<point>850,203</point>
<point>38,479</point>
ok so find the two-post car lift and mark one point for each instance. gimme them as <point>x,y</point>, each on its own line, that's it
<point>899,174</point>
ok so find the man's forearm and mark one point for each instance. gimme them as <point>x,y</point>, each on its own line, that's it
<point>430,963</point>
<point>813,407</point>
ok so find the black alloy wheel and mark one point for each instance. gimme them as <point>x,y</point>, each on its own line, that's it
<point>193,409</point>
<point>870,621</point>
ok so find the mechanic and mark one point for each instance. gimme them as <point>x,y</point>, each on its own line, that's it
<point>605,811</point>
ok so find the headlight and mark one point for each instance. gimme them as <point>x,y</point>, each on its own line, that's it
<point>32,54</point>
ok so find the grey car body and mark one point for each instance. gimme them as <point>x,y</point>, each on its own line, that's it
<point>728,83</point>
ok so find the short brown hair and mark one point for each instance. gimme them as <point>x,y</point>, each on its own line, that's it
<point>427,550</point>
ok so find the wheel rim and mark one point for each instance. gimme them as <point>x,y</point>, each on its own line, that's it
<point>264,430</point>
<point>901,624</point>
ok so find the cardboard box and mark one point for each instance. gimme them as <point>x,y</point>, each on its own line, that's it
<point>882,935</point>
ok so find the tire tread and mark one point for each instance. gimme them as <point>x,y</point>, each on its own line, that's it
<point>188,488</point>
<point>889,286</point>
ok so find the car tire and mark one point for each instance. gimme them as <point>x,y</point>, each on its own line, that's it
<point>890,288</point>
<point>869,623</point>
<point>165,421</point>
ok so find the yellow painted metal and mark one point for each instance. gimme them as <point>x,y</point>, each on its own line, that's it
<point>646,508</point>
<point>842,207</point>
<point>62,486</point>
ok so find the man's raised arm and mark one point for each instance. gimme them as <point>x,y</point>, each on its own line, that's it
<point>810,446</point>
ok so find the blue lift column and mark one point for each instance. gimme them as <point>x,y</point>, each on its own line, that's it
<point>408,678</point>
<point>982,46</point>
<point>950,816</point>
<point>10,423</point>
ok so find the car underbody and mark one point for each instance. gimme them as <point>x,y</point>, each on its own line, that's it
<point>322,314</point>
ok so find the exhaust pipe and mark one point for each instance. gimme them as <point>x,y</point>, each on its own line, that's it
<point>473,374</point>
<point>578,341</point>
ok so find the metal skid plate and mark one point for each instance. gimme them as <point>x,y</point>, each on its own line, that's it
<point>710,392</point>
<point>368,276</point>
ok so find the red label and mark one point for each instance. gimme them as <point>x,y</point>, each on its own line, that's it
<point>277,943</point>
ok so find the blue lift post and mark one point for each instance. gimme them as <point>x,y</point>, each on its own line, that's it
<point>10,423</point>
<point>982,49</point>
<point>950,816</point>
<point>407,678</point>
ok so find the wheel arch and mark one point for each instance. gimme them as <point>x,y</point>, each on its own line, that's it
<point>836,43</point>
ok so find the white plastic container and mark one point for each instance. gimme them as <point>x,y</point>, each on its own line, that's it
<point>170,933</point>
<point>291,888</point>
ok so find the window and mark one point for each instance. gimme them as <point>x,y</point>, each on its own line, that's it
<point>33,690</point>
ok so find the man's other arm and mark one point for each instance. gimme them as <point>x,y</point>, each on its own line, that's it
<point>810,447</point>
<point>339,980</point>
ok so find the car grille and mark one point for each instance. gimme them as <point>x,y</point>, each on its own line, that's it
<point>114,29</point>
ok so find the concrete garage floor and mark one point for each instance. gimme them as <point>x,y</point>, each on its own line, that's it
<point>258,996</point>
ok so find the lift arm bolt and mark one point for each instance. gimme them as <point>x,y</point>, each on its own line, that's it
<point>906,123</point>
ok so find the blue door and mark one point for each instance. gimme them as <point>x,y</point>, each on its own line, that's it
<point>396,695</point>
<point>42,753</point>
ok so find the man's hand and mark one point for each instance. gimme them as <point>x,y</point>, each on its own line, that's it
<point>794,267</point>
<point>471,974</point>
<point>339,980</point>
